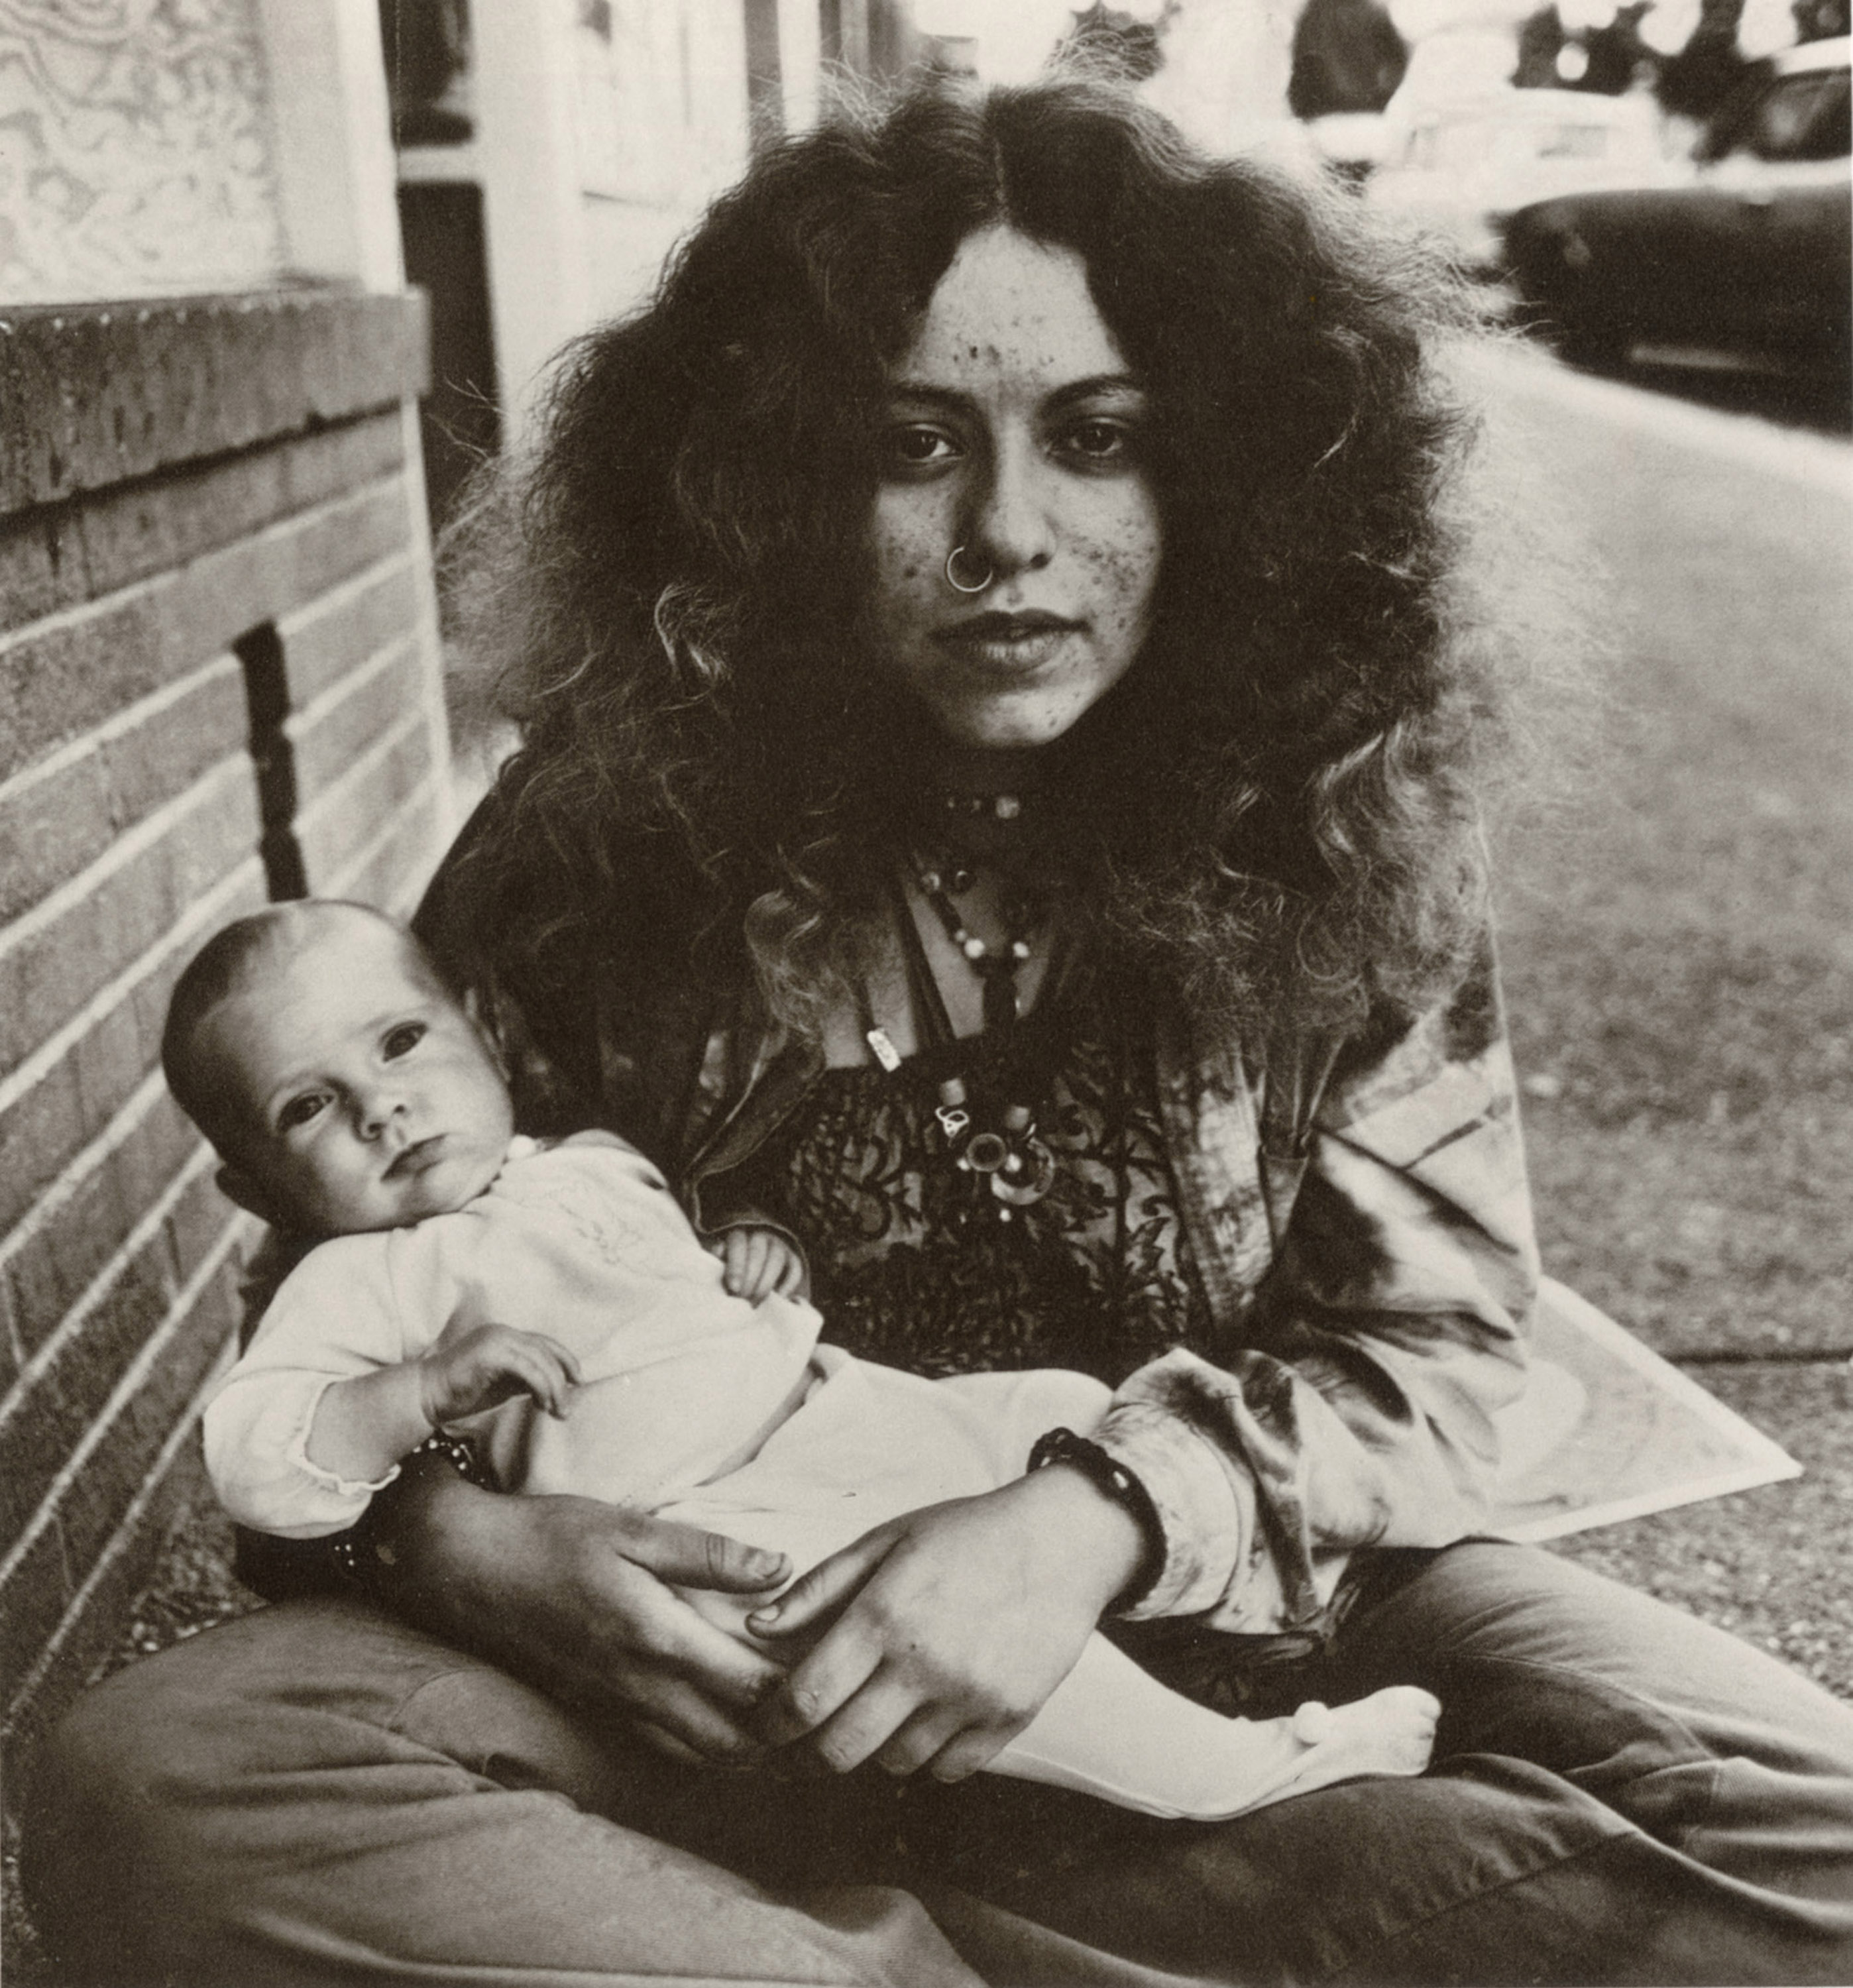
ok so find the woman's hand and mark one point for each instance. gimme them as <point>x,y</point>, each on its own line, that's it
<point>571,1595</point>
<point>951,1625</point>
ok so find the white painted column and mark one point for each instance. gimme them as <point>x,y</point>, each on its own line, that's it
<point>525,86</point>
<point>331,132</point>
<point>800,62</point>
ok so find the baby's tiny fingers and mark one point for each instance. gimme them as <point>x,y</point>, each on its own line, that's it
<point>560,1382</point>
<point>539,1374</point>
<point>567,1358</point>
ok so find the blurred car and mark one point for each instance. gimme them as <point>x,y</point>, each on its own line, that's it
<point>1349,143</point>
<point>1457,167</point>
<point>1751,261</point>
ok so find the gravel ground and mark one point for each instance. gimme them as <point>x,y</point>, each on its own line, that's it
<point>1770,1565</point>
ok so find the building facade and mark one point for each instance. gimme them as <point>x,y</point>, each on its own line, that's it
<point>221,681</point>
<point>219,684</point>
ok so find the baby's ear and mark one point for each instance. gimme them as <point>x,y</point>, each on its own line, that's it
<point>241,1188</point>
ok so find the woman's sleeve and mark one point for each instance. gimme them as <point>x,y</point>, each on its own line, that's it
<point>1355,1406</point>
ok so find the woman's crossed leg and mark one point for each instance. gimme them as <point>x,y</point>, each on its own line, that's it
<point>316,1794</point>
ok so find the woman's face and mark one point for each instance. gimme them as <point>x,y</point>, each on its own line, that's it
<point>1016,434</point>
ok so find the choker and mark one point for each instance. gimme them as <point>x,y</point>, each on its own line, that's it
<point>979,807</point>
<point>1006,830</point>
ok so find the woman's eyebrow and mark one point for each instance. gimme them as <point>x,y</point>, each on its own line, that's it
<point>1071,390</point>
<point>1094,387</point>
<point>935,396</point>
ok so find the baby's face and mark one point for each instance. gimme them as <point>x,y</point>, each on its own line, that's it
<point>371,1098</point>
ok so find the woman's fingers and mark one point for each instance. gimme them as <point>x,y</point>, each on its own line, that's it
<point>680,1672</point>
<point>866,1722</point>
<point>808,1702</point>
<point>919,1739</point>
<point>966,1752</point>
<point>660,1739</point>
<point>677,1719</point>
<point>809,1603</point>
<point>569,1593</point>
<point>621,1632</point>
<point>692,1557</point>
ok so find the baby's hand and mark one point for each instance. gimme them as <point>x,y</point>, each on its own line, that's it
<point>758,1261</point>
<point>475,1370</point>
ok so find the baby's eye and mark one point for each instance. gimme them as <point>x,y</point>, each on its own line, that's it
<point>299,1111</point>
<point>404,1039</point>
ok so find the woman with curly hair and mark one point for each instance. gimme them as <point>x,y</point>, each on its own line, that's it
<point>1007,676</point>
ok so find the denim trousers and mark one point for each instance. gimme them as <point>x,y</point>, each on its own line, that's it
<point>317,1795</point>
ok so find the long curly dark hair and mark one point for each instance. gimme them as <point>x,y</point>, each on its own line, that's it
<point>1275,809</point>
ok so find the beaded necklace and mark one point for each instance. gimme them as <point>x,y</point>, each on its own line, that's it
<point>992,1139</point>
<point>995,966</point>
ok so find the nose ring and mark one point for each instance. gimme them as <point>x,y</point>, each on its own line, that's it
<point>957,585</point>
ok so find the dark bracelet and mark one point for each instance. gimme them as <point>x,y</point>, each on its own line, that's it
<point>356,1552</point>
<point>1107,1473</point>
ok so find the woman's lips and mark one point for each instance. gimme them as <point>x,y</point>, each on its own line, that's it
<point>1007,641</point>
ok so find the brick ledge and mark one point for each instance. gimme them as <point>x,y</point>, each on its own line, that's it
<point>92,394</point>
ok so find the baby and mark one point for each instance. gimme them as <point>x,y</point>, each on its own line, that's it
<point>475,1275</point>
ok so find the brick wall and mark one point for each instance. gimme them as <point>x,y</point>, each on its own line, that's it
<point>218,683</point>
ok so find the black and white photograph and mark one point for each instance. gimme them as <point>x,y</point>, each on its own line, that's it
<point>926,993</point>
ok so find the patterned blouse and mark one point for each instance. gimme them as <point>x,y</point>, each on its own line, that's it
<point>916,1263</point>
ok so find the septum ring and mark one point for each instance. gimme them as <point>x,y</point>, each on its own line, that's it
<point>957,585</point>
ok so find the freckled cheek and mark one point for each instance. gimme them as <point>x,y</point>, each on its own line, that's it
<point>1124,573</point>
<point>902,566</point>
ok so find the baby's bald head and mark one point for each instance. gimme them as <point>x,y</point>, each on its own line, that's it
<point>244,956</point>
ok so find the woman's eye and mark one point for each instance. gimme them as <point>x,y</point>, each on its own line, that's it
<point>1099,440</point>
<point>299,1111</point>
<point>913,447</point>
<point>404,1039</point>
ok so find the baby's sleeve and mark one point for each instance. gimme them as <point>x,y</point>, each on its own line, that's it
<point>333,1317</point>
